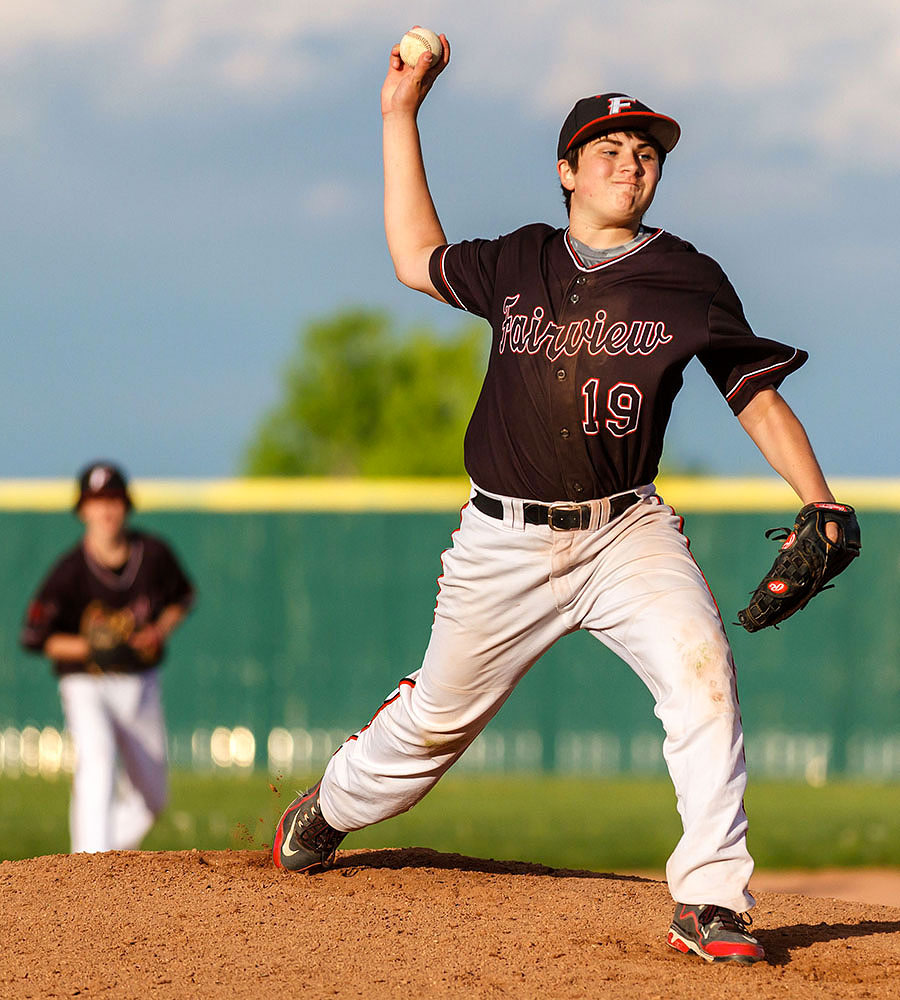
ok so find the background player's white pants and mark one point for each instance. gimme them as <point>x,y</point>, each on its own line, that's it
<point>119,786</point>
<point>508,592</point>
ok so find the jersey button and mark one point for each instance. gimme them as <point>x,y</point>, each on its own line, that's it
<point>580,280</point>
<point>574,297</point>
<point>561,374</point>
<point>564,432</point>
<point>578,487</point>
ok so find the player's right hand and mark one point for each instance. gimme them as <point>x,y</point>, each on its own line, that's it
<point>405,87</point>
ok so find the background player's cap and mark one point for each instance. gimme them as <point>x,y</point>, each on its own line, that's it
<point>593,116</point>
<point>102,479</point>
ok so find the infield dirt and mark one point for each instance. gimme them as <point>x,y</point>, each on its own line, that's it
<point>402,923</point>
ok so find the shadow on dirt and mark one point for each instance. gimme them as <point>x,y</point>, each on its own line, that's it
<point>781,942</point>
<point>395,858</point>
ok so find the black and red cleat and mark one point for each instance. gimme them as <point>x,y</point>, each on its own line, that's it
<point>303,838</point>
<point>715,933</point>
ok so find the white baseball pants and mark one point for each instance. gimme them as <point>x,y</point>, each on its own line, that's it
<point>120,781</point>
<point>508,592</point>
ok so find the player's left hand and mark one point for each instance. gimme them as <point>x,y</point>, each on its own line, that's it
<point>824,541</point>
<point>148,641</point>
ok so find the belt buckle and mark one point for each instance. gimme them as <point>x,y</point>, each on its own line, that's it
<point>564,507</point>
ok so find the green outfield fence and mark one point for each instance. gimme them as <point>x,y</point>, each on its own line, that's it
<point>316,596</point>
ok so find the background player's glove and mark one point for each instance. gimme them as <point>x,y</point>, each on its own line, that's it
<point>804,565</point>
<point>107,633</point>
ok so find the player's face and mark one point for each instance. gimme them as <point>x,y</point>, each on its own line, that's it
<point>104,516</point>
<point>615,181</point>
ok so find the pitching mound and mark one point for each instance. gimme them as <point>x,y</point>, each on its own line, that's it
<point>401,923</point>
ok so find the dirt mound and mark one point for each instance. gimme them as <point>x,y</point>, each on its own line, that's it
<point>401,923</point>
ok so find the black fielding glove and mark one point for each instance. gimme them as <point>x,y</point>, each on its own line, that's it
<point>805,563</point>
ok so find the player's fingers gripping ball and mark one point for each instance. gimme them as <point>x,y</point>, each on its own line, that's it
<point>807,560</point>
<point>418,40</point>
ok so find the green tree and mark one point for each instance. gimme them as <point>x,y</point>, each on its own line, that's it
<point>360,398</point>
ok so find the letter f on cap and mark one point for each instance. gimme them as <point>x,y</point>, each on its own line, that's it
<point>617,104</point>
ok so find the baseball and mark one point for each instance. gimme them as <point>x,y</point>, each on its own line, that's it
<point>416,41</point>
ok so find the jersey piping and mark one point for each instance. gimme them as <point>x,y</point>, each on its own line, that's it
<point>573,253</point>
<point>759,372</point>
<point>582,266</point>
<point>118,581</point>
<point>456,299</point>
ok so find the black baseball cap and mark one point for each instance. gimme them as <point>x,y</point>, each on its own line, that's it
<point>593,116</point>
<point>102,479</point>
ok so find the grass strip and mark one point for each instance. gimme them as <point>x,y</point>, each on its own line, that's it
<point>602,825</point>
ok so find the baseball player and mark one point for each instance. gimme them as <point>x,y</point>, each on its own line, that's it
<point>103,616</point>
<point>593,326</point>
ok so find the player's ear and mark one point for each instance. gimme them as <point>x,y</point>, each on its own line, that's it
<point>566,175</point>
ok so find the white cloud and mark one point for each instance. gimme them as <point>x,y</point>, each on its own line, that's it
<point>788,70</point>
<point>331,199</point>
<point>125,55</point>
<point>791,72</point>
<point>30,25</point>
<point>237,45</point>
<point>864,104</point>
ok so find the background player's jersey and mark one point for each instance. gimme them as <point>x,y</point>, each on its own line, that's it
<point>586,360</point>
<point>150,581</point>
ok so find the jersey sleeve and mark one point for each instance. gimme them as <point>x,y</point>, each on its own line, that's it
<point>46,610</point>
<point>176,587</point>
<point>739,362</point>
<point>465,274</point>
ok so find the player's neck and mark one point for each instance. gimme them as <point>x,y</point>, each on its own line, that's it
<point>108,551</point>
<point>603,237</point>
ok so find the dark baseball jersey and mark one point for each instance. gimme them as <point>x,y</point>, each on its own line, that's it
<point>151,580</point>
<point>586,361</point>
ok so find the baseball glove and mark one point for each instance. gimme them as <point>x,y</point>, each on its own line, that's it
<point>107,632</point>
<point>805,563</point>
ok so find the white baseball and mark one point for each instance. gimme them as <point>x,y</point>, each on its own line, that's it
<point>416,41</point>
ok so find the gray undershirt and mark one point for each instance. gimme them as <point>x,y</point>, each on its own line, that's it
<point>592,256</point>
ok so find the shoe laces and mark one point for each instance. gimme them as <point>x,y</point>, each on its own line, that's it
<point>729,920</point>
<point>318,835</point>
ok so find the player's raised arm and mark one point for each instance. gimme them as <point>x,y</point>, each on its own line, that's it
<point>411,222</point>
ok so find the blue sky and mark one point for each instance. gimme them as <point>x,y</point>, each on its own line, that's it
<point>185,184</point>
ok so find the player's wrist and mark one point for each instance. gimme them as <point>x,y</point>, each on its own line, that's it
<point>816,496</point>
<point>403,117</point>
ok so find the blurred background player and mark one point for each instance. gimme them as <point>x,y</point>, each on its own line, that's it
<point>103,616</point>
